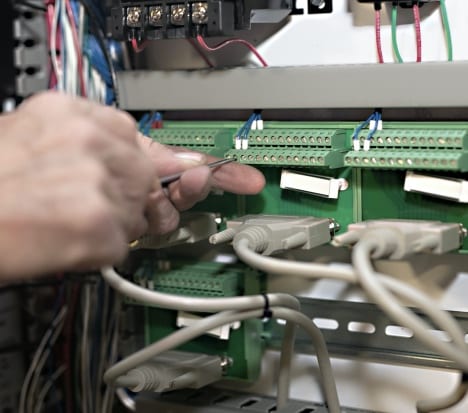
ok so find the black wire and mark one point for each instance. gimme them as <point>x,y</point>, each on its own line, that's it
<point>96,29</point>
<point>32,6</point>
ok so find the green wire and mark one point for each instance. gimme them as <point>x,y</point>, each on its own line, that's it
<point>448,34</point>
<point>396,51</point>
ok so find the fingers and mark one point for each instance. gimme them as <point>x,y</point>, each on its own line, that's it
<point>232,177</point>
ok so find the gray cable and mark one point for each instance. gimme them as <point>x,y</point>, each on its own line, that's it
<point>127,381</point>
<point>224,318</point>
<point>441,318</point>
<point>284,373</point>
<point>442,403</point>
<point>373,287</point>
<point>204,305</point>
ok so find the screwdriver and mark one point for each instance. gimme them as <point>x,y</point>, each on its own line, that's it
<point>166,180</point>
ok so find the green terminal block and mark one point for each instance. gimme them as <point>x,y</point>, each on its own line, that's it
<point>420,138</point>
<point>245,345</point>
<point>309,138</point>
<point>197,280</point>
<point>409,159</point>
<point>287,157</point>
<point>213,141</point>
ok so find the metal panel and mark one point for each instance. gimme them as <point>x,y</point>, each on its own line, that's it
<point>212,400</point>
<point>377,345</point>
<point>399,86</point>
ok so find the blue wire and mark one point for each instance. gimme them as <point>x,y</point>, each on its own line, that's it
<point>377,118</point>
<point>363,125</point>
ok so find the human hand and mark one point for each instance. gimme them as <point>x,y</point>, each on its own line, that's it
<point>194,184</point>
<point>75,185</point>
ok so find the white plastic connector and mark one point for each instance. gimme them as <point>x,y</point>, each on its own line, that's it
<point>356,144</point>
<point>367,144</point>
<point>238,143</point>
<point>268,234</point>
<point>319,185</point>
<point>380,125</point>
<point>245,144</point>
<point>253,126</point>
<point>372,124</point>
<point>174,370</point>
<point>401,238</point>
<point>185,319</point>
<point>260,124</point>
<point>453,189</point>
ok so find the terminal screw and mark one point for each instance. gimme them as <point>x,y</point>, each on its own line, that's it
<point>178,14</point>
<point>200,13</point>
<point>156,14</point>
<point>133,16</point>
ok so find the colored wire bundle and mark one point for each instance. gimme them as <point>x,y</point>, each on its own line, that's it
<point>149,120</point>
<point>242,137</point>
<point>81,61</point>
<point>221,45</point>
<point>375,122</point>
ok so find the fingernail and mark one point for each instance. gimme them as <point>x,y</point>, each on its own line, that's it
<point>191,157</point>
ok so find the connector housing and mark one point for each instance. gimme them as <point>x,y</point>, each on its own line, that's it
<point>411,236</point>
<point>177,369</point>
<point>277,233</point>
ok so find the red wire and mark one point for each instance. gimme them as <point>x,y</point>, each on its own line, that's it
<point>76,41</point>
<point>138,48</point>
<point>417,27</point>
<point>200,53</point>
<point>49,19</point>
<point>378,38</point>
<point>203,44</point>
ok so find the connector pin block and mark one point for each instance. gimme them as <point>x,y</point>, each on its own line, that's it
<point>401,238</point>
<point>268,234</point>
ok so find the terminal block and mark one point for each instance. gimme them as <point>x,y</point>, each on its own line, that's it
<point>243,344</point>
<point>293,137</point>
<point>288,157</point>
<point>420,138</point>
<point>213,141</point>
<point>447,160</point>
<point>203,279</point>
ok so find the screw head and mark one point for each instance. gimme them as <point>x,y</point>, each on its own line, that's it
<point>134,16</point>
<point>200,13</point>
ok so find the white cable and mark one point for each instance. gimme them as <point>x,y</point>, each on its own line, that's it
<point>225,318</point>
<point>441,318</point>
<point>372,286</point>
<point>37,356</point>
<point>202,305</point>
<point>446,402</point>
<point>46,388</point>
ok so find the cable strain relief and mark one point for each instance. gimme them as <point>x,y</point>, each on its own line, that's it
<point>147,376</point>
<point>257,237</point>
<point>222,237</point>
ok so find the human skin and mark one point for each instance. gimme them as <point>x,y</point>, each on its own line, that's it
<point>79,182</point>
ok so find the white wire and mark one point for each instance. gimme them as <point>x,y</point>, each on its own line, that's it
<point>47,386</point>
<point>70,54</point>
<point>37,356</point>
<point>53,48</point>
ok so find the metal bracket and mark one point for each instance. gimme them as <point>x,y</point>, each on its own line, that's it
<point>361,330</point>
<point>212,400</point>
